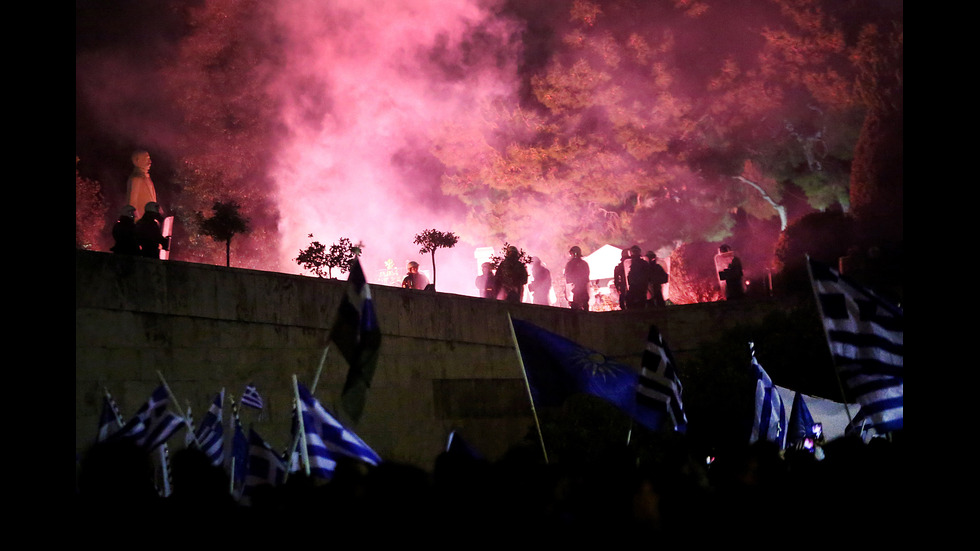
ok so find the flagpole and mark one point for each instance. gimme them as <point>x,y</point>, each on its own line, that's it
<point>232,425</point>
<point>190,428</point>
<point>115,410</point>
<point>163,451</point>
<point>816,298</point>
<point>323,359</point>
<point>302,430</point>
<point>316,379</point>
<point>527,384</point>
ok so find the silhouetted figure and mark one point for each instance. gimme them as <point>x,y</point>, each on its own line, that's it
<point>124,232</point>
<point>541,286</point>
<point>139,186</point>
<point>658,278</point>
<point>511,276</point>
<point>577,280</point>
<point>730,276</point>
<point>634,274</point>
<point>199,487</point>
<point>149,232</point>
<point>116,475</point>
<point>415,279</point>
<point>486,283</point>
<point>619,278</point>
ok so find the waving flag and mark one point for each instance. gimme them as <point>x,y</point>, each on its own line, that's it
<point>769,421</point>
<point>327,440</point>
<point>109,420</point>
<point>800,423</point>
<point>866,338</point>
<point>557,367</point>
<point>358,336</point>
<point>238,458</point>
<point>251,397</point>
<point>265,467</point>
<point>210,434</point>
<point>153,424</point>
<point>658,390</point>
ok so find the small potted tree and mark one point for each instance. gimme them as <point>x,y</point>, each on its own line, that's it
<point>430,240</point>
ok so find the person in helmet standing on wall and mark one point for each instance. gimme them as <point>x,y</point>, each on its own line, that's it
<point>511,276</point>
<point>149,232</point>
<point>124,232</point>
<point>577,279</point>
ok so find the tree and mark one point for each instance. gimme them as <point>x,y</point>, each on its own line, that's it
<point>430,240</point>
<point>877,176</point>
<point>692,274</point>
<point>321,261</point>
<point>654,122</point>
<point>90,211</point>
<point>225,224</point>
<point>218,84</point>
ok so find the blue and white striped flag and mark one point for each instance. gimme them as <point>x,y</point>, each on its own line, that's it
<point>327,440</point>
<point>265,466</point>
<point>769,421</point>
<point>658,389</point>
<point>238,458</point>
<point>251,397</point>
<point>800,427</point>
<point>154,423</point>
<point>866,338</point>
<point>358,336</point>
<point>109,420</point>
<point>210,434</point>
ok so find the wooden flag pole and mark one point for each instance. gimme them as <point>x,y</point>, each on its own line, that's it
<point>527,384</point>
<point>115,409</point>
<point>232,420</point>
<point>302,430</point>
<point>816,297</point>
<point>292,448</point>
<point>190,427</point>
<point>319,369</point>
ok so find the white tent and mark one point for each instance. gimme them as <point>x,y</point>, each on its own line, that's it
<point>603,261</point>
<point>833,415</point>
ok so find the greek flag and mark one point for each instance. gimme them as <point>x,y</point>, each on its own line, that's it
<point>769,421</point>
<point>251,397</point>
<point>153,424</point>
<point>866,338</point>
<point>358,336</point>
<point>210,434</point>
<point>658,390</point>
<point>800,423</point>
<point>265,466</point>
<point>109,420</point>
<point>327,440</point>
<point>238,458</point>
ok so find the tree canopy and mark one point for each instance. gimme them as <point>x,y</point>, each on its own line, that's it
<point>321,261</point>
<point>650,122</point>
<point>655,120</point>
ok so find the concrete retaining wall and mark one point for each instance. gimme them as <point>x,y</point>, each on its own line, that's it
<point>446,361</point>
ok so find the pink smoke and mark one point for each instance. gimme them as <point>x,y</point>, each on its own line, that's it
<point>360,86</point>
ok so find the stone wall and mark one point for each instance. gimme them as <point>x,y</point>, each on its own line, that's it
<point>446,361</point>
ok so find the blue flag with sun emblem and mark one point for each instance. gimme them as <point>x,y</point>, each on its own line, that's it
<point>557,367</point>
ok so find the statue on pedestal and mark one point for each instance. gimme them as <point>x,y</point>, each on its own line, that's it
<point>139,186</point>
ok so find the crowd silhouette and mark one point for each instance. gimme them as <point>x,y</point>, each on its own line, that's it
<point>665,491</point>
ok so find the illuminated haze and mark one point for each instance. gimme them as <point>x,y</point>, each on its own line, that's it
<point>360,87</point>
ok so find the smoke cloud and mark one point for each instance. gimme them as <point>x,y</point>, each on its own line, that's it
<point>357,89</point>
<point>361,85</point>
